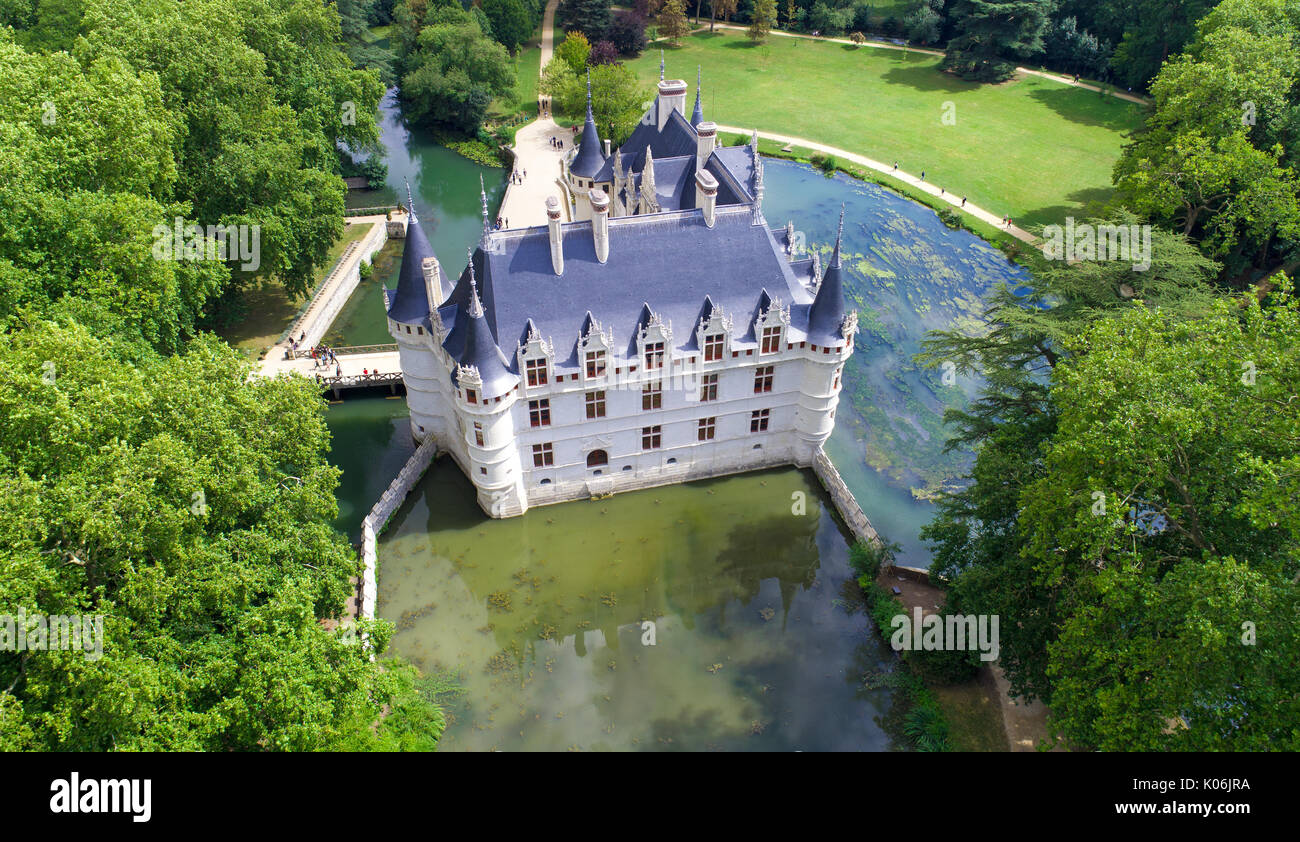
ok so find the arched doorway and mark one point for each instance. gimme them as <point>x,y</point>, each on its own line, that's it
<point>597,458</point>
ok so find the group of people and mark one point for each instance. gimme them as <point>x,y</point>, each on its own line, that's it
<point>502,223</point>
<point>557,143</point>
<point>518,176</point>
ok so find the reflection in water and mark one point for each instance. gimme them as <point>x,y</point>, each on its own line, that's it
<point>370,442</point>
<point>755,645</point>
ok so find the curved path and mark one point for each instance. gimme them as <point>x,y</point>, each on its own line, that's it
<point>937,191</point>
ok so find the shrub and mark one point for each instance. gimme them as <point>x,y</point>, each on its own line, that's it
<point>826,163</point>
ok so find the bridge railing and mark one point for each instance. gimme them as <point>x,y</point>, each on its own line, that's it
<point>353,380</point>
<point>305,353</point>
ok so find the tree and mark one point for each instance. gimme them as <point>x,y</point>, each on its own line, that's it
<point>189,505</point>
<point>627,32</point>
<point>726,8</point>
<point>989,32</point>
<point>924,23</point>
<point>590,17</point>
<point>673,24</point>
<point>512,24</point>
<point>455,72</point>
<point>977,531</point>
<point>617,96</point>
<point>761,20</point>
<point>574,50</point>
<point>604,52</point>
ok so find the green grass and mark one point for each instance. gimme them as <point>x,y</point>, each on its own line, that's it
<point>1034,149</point>
<point>528,64</point>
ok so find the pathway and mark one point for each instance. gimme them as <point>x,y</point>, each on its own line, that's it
<point>953,199</point>
<point>327,301</point>
<point>524,204</point>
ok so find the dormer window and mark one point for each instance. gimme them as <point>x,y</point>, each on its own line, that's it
<point>654,355</point>
<point>471,396</point>
<point>595,363</point>
<point>713,348</point>
<point>536,372</point>
<point>771,340</point>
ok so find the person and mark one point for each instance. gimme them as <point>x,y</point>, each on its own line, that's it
<point>963,201</point>
<point>525,176</point>
<point>923,175</point>
<point>303,337</point>
<point>941,191</point>
<point>365,371</point>
<point>338,371</point>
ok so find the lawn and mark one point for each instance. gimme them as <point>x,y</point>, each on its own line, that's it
<point>528,64</point>
<point>1031,148</point>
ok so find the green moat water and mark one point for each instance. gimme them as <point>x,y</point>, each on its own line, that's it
<point>759,642</point>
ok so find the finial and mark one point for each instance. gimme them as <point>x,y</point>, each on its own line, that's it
<point>589,93</point>
<point>753,140</point>
<point>410,204</point>
<point>839,234</point>
<point>482,192</point>
<point>475,306</point>
<point>661,65</point>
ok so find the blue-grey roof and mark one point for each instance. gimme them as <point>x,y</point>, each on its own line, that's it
<point>590,159</point>
<point>470,342</point>
<point>409,304</point>
<point>676,140</point>
<point>668,261</point>
<point>826,315</point>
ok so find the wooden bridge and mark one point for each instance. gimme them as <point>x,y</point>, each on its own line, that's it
<point>337,383</point>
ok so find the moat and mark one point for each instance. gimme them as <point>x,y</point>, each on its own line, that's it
<point>758,641</point>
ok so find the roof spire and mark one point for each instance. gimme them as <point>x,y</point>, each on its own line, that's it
<point>697,116</point>
<point>475,306</point>
<point>482,192</point>
<point>410,204</point>
<point>661,65</point>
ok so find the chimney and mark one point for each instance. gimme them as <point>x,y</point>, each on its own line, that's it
<point>672,97</point>
<point>705,144</point>
<point>557,238</point>
<point>606,147</point>
<point>432,282</point>
<point>706,195</point>
<point>600,223</point>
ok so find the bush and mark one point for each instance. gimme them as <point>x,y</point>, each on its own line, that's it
<point>627,32</point>
<point>826,163</point>
<point>604,52</point>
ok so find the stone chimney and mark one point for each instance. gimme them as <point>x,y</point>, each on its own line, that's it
<point>706,195</point>
<point>432,282</point>
<point>672,97</point>
<point>707,142</point>
<point>600,223</point>
<point>557,237</point>
<point>606,147</point>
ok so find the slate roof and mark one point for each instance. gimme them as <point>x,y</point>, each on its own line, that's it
<point>669,261</point>
<point>827,311</point>
<point>410,303</point>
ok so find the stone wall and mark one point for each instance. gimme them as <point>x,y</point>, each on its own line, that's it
<point>377,520</point>
<point>844,501</point>
<point>315,322</point>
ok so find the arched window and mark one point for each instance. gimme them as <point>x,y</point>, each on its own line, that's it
<point>596,458</point>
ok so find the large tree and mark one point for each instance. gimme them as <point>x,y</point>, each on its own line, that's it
<point>617,97</point>
<point>991,34</point>
<point>190,507</point>
<point>455,71</point>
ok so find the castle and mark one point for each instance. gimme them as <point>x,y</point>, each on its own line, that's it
<point>664,334</point>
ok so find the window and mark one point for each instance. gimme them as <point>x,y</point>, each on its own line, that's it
<point>709,388</point>
<point>654,355</point>
<point>758,420</point>
<point>708,426</point>
<point>539,413</point>
<point>478,434</point>
<point>763,378</point>
<point>596,458</point>
<point>536,372</point>
<point>596,404</point>
<point>471,396</point>
<point>543,455</point>
<point>595,363</point>
<point>771,340</point>
<point>651,437</point>
<point>652,396</point>
<point>713,347</point>
<point>838,372</point>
